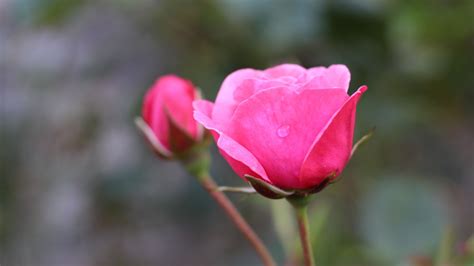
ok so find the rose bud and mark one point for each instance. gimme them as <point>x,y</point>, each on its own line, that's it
<point>287,130</point>
<point>167,117</point>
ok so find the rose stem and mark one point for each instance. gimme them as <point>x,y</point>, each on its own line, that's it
<point>300,205</point>
<point>210,186</point>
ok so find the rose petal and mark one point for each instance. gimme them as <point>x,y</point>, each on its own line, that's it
<point>279,125</point>
<point>226,102</point>
<point>179,140</point>
<point>316,71</point>
<point>285,70</point>
<point>335,76</point>
<point>238,157</point>
<point>154,116</point>
<point>331,149</point>
<point>177,97</point>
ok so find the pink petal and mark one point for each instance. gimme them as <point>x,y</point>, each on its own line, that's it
<point>290,70</point>
<point>316,71</point>
<point>331,149</point>
<point>335,76</point>
<point>227,99</point>
<point>155,117</point>
<point>279,125</point>
<point>204,108</point>
<point>202,113</point>
<point>239,158</point>
<point>177,97</point>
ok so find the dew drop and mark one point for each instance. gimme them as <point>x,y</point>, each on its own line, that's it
<point>283,131</point>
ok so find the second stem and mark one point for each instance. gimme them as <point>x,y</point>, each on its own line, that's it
<point>301,210</point>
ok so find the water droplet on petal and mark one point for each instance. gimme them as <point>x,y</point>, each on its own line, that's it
<point>283,131</point>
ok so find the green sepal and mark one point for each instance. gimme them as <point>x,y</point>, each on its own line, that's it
<point>362,140</point>
<point>243,190</point>
<point>268,190</point>
<point>179,138</point>
<point>158,148</point>
<point>321,186</point>
<point>196,161</point>
<point>299,201</point>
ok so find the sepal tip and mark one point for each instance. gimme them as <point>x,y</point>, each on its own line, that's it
<point>268,190</point>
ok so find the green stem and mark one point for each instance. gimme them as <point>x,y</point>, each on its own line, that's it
<point>210,186</point>
<point>300,204</point>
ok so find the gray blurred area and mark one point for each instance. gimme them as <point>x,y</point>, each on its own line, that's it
<point>79,186</point>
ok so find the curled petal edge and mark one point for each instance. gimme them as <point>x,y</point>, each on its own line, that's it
<point>241,160</point>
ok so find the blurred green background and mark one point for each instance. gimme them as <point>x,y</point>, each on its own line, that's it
<point>79,186</point>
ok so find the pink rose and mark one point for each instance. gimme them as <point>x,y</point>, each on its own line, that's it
<point>288,126</point>
<point>167,112</point>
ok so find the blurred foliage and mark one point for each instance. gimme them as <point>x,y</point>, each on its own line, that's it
<point>397,206</point>
<point>46,12</point>
<point>79,186</point>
